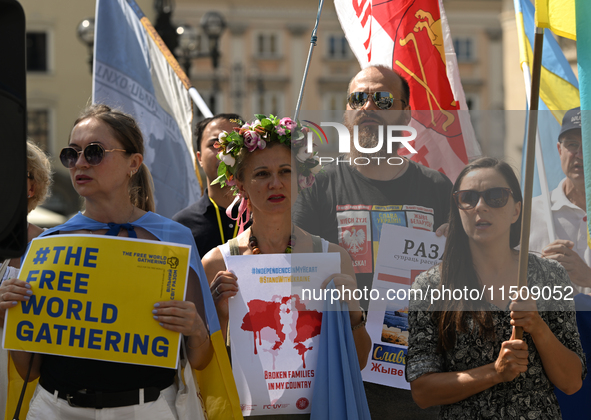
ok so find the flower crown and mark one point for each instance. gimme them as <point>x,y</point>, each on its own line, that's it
<point>256,136</point>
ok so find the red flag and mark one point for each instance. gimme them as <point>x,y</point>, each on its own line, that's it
<point>413,38</point>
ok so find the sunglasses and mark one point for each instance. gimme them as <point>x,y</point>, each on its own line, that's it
<point>383,100</point>
<point>93,153</point>
<point>493,197</point>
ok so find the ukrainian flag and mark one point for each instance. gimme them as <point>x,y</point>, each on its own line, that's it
<point>559,90</point>
<point>558,16</point>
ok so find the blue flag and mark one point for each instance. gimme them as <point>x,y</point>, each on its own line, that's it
<point>559,92</point>
<point>135,72</point>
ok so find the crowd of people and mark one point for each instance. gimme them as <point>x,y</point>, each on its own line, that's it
<point>464,359</point>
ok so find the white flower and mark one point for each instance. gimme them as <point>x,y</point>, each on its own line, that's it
<point>303,155</point>
<point>229,160</point>
<point>222,136</point>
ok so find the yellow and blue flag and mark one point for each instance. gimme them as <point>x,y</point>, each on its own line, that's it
<point>559,91</point>
<point>558,16</point>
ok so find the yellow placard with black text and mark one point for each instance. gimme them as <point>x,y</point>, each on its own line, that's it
<point>93,298</point>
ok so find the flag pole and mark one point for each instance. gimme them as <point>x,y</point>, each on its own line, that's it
<point>532,130</point>
<point>313,40</point>
<point>541,167</point>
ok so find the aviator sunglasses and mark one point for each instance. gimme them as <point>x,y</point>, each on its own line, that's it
<point>493,197</point>
<point>383,100</point>
<point>93,153</point>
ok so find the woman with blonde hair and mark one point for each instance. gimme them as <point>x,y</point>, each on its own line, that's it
<point>105,159</point>
<point>38,189</point>
<point>258,164</point>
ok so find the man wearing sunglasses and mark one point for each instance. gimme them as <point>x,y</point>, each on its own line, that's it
<point>568,210</point>
<point>349,202</point>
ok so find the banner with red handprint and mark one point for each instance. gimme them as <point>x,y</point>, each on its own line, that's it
<point>413,38</point>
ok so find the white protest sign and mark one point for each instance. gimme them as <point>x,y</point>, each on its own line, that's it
<point>404,253</point>
<point>275,331</point>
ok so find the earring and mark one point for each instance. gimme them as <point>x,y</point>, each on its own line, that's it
<point>28,195</point>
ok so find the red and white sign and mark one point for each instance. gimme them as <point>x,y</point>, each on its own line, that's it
<point>274,332</point>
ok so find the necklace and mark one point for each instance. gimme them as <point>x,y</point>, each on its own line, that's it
<point>254,245</point>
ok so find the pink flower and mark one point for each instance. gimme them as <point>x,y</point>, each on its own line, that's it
<point>280,130</point>
<point>251,140</point>
<point>288,123</point>
<point>306,181</point>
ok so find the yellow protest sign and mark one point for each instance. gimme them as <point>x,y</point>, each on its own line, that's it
<point>93,298</point>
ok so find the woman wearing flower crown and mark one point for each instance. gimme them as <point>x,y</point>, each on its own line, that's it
<point>257,161</point>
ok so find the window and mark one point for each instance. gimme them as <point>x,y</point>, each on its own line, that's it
<point>268,103</point>
<point>335,101</point>
<point>338,47</point>
<point>37,52</point>
<point>38,127</point>
<point>267,45</point>
<point>464,47</point>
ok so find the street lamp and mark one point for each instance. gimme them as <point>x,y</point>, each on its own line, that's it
<point>213,25</point>
<point>85,32</point>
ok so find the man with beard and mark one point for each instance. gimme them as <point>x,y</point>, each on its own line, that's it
<point>358,193</point>
<point>568,210</point>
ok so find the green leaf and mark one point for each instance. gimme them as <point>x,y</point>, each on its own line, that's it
<point>260,116</point>
<point>221,169</point>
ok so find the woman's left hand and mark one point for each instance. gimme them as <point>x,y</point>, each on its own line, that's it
<point>524,313</point>
<point>179,316</point>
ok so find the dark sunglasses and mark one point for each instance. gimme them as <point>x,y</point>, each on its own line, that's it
<point>93,153</point>
<point>493,197</point>
<point>383,100</point>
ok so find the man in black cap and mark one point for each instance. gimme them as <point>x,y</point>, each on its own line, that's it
<point>568,207</point>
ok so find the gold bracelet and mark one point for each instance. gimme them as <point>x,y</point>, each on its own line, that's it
<point>363,320</point>
<point>195,348</point>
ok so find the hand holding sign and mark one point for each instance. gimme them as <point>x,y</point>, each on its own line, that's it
<point>12,291</point>
<point>69,307</point>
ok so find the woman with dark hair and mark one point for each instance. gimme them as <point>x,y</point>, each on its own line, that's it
<point>463,354</point>
<point>105,159</point>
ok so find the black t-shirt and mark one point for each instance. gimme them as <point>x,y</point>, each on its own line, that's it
<point>73,374</point>
<point>202,219</point>
<point>347,208</point>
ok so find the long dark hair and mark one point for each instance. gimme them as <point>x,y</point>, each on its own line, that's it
<point>457,266</point>
<point>126,130</point>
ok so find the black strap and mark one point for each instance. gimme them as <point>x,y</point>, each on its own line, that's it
<point>98,400</point>
<point>17,412</point>
<point>114,229</point>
